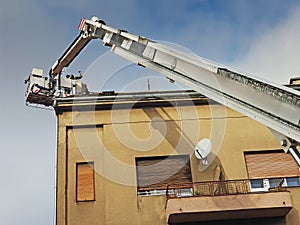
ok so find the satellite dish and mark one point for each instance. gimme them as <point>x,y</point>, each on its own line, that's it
<point>202,150</point>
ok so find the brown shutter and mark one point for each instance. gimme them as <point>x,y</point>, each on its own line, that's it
<point>158,172</point>
<point>271,164</point>
<point>85,189</point>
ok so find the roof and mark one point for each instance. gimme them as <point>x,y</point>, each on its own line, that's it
<point>113,100</point>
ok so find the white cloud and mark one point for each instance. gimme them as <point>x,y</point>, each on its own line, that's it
<point>275,54</point>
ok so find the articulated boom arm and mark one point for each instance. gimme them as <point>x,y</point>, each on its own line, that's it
<point>89,29</point>
<point>275,106</point>
<point>71,53</point>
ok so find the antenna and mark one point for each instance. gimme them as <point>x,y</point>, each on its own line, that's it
<point>202,150</point>
<point>148,84</point>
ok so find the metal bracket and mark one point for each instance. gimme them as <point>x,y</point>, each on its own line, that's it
<point>289,146</point>
<point>284,141</point>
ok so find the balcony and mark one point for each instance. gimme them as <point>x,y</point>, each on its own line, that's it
<point>220,200</point>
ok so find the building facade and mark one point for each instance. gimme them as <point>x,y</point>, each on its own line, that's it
<point>130,159</point>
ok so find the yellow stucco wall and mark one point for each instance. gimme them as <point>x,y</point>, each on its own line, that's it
<point>112,139</point>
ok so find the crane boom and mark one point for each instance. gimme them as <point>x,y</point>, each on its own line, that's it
<point>64,61</point>
<point>275,106</point>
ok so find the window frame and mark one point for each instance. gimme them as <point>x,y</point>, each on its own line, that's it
<point>160,188</point>
<point>267,183</point>
<point>270,178</point>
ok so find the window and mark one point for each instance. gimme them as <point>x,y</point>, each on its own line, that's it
<point>276,182</point>
<point>257,183</point>
<point>271,169</point>
<point>85,181</point>
<point>293,181</point>
<point>266,184</point>
<point>154,174</point>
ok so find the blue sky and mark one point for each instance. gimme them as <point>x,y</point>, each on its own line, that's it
<point>257,36</point>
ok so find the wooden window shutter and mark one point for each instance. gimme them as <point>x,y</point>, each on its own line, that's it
<point>85,182</point>
<point>271,164</point>
<point>158,172</point>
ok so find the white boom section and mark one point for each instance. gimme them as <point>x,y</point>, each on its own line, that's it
<point>275,106</point>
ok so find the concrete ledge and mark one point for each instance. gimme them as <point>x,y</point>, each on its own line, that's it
<point>194,209</point>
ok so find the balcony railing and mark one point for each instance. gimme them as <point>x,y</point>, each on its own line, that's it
<point>213,188</point>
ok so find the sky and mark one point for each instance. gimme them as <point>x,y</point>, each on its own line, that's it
<point>260,37</point>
